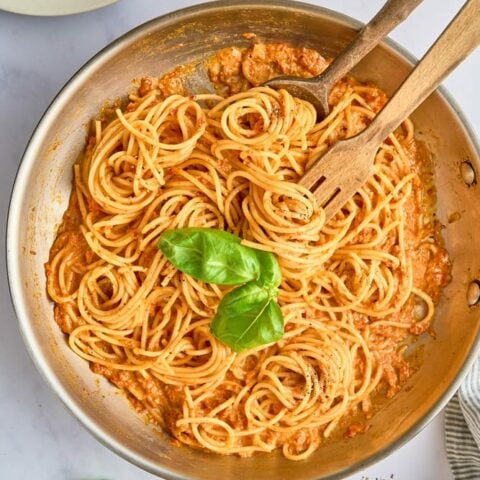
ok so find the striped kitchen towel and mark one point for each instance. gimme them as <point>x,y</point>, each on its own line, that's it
<point>462,428</point>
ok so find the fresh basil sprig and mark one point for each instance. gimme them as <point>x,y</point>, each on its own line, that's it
<point>248,316</point>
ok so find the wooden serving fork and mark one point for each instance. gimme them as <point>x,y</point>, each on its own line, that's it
<point>337,175</point>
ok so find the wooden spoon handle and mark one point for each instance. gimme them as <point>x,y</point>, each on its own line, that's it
<point>459,39</point>
<point>392,14</point>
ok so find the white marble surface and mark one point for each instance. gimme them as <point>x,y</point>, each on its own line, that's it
<point>39,440</point>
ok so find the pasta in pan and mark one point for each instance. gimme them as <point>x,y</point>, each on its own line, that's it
<point>353,294</point>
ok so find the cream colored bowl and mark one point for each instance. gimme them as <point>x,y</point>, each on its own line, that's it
<point>42,189</point>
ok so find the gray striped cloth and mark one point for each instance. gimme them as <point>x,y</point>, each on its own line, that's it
<point>462,428</point>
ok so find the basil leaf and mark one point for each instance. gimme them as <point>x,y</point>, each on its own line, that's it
<point>270,273</point>
<point>210,255</point>
<point>247,317</point>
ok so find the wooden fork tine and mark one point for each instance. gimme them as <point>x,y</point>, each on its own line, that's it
<point>324,192</point>
<point>342,170</point>
<point>335,205</point>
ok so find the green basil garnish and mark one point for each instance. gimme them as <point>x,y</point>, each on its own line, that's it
<point>270,274</point>
<point>212,256</point>
<point>248,316</point>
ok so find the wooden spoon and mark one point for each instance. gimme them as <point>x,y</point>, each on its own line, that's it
<point>316,89</point>
<point>345,167</point>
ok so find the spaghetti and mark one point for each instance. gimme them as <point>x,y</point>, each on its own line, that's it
<point>350,294</point>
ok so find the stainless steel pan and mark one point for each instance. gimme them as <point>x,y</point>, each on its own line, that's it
<point>43,185</point>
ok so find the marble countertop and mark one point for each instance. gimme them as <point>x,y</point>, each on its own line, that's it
<point>39,439</point>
